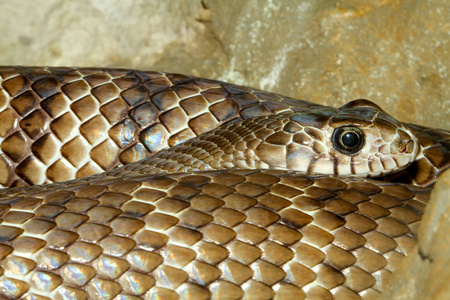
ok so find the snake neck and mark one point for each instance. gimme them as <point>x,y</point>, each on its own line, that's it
<point>234,145</point>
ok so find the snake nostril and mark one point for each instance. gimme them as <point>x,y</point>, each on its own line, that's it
<point>397,146</point>
<point>404,146</point>
<point>401,145</point>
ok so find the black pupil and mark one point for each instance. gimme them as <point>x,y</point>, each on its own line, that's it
<point>350,139</point>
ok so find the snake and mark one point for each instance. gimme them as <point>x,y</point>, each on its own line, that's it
<point>127,184</point>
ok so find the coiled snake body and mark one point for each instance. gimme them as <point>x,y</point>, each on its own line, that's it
<point>256,196</point>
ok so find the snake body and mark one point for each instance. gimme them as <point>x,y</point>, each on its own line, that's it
<point>208,190</point>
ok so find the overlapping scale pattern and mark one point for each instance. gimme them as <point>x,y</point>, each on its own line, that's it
<point>64,123</point>
<point>209,234</point>
<point>223,234</point>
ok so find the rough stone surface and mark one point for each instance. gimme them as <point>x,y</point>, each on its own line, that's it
<point>425,274</point>
<point>395,53</point>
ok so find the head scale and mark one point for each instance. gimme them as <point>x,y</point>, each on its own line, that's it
<point>357,139</point>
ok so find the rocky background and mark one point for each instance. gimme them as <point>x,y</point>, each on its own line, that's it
<point>393,52</point>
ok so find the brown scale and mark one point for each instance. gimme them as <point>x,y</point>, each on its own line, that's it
<point>119,113</point>
<point>216,233</point>
<point>227,233</point>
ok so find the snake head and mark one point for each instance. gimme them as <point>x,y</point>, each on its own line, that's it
<point>357,139</point>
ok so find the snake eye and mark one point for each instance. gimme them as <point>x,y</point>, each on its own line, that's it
<point>348,140</point>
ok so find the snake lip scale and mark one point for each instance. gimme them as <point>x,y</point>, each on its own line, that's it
<point>127,184</point>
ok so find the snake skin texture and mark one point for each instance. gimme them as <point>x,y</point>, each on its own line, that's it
<point>228,234</point>
<point>60,123</point>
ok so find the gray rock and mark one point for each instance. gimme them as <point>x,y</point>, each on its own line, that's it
<point>425,274</point>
